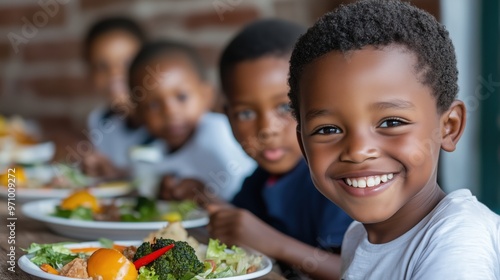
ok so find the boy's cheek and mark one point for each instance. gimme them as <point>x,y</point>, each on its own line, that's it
<point>242,133</point>
<point>248,148</point>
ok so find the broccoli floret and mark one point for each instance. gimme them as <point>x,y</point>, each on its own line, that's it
<point>180,263</point>
<point>146,208</point>
<point>185,263</point>
<point>143,250</point>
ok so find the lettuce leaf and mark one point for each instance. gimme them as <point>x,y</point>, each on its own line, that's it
<point>54,254</point>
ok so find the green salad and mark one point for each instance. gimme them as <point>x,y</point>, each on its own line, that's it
<point>222,262</point>
<point>177,261</point>
<point>141,209</point>
<point>181,262</point>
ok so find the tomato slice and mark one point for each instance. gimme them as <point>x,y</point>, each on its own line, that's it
<point>212,264</point>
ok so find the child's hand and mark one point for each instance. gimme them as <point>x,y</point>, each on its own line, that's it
<point>97,165</point>
<point>235,226</point>
<point>172,188</point>
<point>167,187</point>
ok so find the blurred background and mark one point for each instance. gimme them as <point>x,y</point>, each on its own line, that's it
<point>43,74</point>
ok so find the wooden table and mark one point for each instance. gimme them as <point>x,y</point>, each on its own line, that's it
<point>27,231</point>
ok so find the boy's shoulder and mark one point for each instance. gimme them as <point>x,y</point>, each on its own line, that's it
<point>213,123</point>
<point>459,238</point>
<point>214,132</point>
<point>461,223</point>
<point>462,208</point>
<point>214,117</point>
<point>459,216</point>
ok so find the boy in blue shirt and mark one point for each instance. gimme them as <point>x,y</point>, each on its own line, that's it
<point>373,86</point>
<point>280,213</point>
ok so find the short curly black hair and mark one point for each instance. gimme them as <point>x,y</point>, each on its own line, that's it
<point>111,24</point>
<point>266,37</point>
<point>163,47</point>
<point>381,23</point>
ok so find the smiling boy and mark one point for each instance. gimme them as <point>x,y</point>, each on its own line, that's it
<point>373,86</point>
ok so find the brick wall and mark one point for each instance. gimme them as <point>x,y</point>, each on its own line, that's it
<point>44,78</point>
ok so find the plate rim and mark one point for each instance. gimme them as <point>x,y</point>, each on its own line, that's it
<point>59,193</point>
<point>25,263</point>
<point>33,210</point>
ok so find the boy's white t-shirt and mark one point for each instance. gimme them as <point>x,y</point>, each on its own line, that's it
<point>459,239</point>
<point>111,136</point>
<point>212,156</point>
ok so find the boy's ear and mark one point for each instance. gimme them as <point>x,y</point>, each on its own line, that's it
<point>453,121</point>
<point>301,144</point>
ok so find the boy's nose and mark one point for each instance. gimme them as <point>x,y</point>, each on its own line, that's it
<point>268,126</point>
<point>169,108</point>
<point>358,148</point>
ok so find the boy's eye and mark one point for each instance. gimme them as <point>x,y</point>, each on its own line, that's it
<point>283,109</point>
<point>182,96</point>
<point>245,115</point>
<point>327,130</point>
<point>394,122</point>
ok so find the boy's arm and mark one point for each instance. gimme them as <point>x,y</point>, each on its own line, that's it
<point>240,227</point>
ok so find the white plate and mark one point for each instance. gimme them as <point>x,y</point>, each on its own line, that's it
<point>91,230</point>
<point>105,191</point>
<point>36,153</point>
<point>27,266</point>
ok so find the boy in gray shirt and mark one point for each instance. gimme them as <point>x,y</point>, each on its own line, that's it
<point>373,86</point>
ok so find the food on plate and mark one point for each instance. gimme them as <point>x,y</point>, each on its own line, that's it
<point>81,198</point>
<point>17,128</point>
<point>67,177</point>
<point>77,268</point>
<point>110,264</point>
<point>20,143</point>
<point>160,259</point>
<point>180,262</point>
<point>222,262</point>
<point>49,269</point>
<point>83,205</point>
<point>172,217</point>
<point>55,255</point>
<point>173,231</point>
<point>17,176</point>
<point>56,258</point>
<point>53,176</point>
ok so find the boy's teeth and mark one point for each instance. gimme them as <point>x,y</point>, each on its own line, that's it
<point>361,183</point>
<point>383,178</point>
<point>370,181</point>
<point>355,183</point>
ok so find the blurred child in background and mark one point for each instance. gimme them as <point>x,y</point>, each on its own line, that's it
<point>281,213</point>
<point>195,151</point>
<point>110,45</point>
